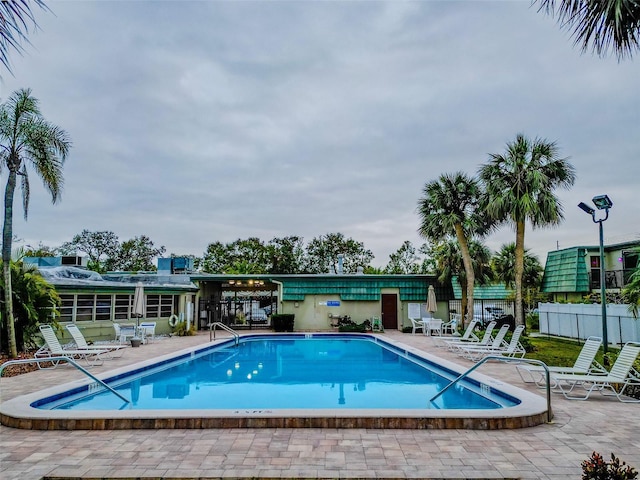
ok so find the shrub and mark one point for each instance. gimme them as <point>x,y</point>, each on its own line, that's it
<point>182,331</point>
<point>355,327</point>
<point>282,322</point>
<point>597,469</point>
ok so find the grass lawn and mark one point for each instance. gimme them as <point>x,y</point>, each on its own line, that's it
<point>559,352</point>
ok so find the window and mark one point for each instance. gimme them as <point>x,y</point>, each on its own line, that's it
<point>595,262</point>
<point>66,308</point>
<point>84,308</point>
<point>103,307</point>
<point>122,307</point>
<point>161,306</point>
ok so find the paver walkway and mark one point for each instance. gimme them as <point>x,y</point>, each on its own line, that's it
<point>552,451</point>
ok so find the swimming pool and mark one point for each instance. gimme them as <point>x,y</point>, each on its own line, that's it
<point>322,380</point>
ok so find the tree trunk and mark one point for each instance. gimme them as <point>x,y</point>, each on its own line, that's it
<point>468,268</point>
<point>519,271</point>
<point>7,233</point>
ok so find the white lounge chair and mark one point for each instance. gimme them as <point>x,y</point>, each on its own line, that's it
<point>486,339</point>
<point>584,364</point>
<point>467,336</point>
<point>513,349</point>
<point>113,351</point>
<point>475,352</point>
<point>621,376</point>
<point>53,348</point>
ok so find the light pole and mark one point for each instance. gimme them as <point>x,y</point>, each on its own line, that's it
<point>602,202</point>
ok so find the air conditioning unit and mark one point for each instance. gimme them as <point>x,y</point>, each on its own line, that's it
<point>74,261</point>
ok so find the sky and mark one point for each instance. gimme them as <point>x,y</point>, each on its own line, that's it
<point>197,122</point>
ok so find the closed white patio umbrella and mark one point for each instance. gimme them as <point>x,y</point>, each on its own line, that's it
<point>137,309</point>
<point>432,305</point>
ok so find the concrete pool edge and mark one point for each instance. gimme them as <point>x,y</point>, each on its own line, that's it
<point>531,411</point>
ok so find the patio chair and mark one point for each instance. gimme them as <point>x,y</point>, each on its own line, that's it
<point>621,376</point>
<point>53,348</point>
<point>148,331</point>
<point>417,325</point>
<point>113,351</point>
<point>584,364</point>
<point>449,328</point>
<point>513,349</point>
<point>472,351</point>
<point>124,333</point>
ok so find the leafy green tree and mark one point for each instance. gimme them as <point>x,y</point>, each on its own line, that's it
<point>98,246</point>
<point>520,186</point>
<point>600,24</point>
<point>323,251</point>
<point>35,301</point>
<point>286,255</point>
<point>405,260</point>
<point>249,256</point>
<point>631,291</point>
<point>135,255</point>
<point>15,17</point>
<point>40,251</point>
<point>26,138</point>
<point>214,259</point>
<point>450,207</point>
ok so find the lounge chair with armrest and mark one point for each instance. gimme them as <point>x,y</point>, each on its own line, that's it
<point>621,376</point>
<point>584,364</point>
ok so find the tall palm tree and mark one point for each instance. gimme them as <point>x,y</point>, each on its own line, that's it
<point>603,23</point>
<point>449,207</point>
<point>15,15</point>
<point>519,186</point>
<point>26,138</point>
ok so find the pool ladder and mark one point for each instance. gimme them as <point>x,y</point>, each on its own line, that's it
<point>505,359</point>
<point>62,359</point>
<point>212,331</point>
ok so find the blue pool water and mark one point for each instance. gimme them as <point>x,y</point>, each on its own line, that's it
<point>287,372</point>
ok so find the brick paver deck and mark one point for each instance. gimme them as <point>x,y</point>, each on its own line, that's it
<point>550,451</point>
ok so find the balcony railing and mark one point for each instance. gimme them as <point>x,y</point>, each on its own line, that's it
<point>612,278</point>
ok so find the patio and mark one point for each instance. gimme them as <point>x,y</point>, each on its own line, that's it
<point>550,451</point>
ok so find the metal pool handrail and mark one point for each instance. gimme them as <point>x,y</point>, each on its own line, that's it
<point>212,328</point>
<point>62,359</point>
<point>505,359</point>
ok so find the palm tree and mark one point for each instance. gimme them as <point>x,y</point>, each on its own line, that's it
<point>35,301</point>
<point>26,138</point>
<point>448,260</point>
<point>604,24</point>
<point>449,207</point>
<point>503,266</point>
<point>519,186</point>
<point>14,18</point>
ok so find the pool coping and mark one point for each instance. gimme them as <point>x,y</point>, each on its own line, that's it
<point>531,411</point>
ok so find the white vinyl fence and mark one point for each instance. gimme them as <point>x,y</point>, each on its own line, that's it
<point>581,321</point>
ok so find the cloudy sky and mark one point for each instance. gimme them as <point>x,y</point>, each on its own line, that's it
<point>195,122</point>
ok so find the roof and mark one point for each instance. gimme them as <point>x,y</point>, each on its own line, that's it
<point>492,291</point>
<point>361,287</point>
<point>79,279</point>
<point>566,271</point>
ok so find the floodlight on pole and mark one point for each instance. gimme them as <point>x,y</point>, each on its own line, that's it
<point>602,202</point>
